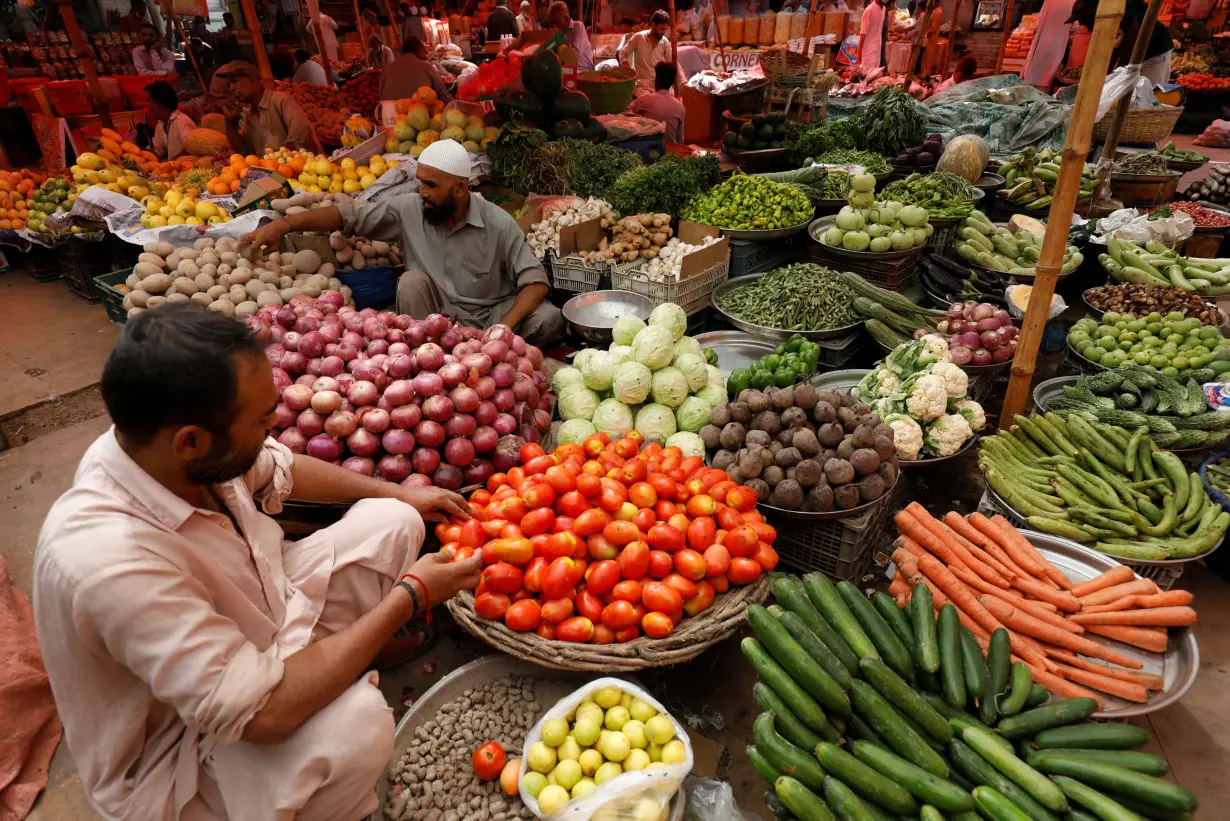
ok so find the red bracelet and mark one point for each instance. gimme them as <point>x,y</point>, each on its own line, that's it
<point>426,592</point>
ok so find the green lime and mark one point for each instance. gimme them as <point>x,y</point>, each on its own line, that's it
<point>1159,362</point>
<point>1170,371</point>
<point>1142,357</point>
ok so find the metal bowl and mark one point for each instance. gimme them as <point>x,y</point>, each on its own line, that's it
<point>779,334</point>
<point>593,315</point>
<point>1050,389</point>
<point>839,380</point>
<point>1081,358</point>
<point>1184,165</point>
<point>735,349</point>
<point>926,463</point>
<point>823,224</point>
<point>812,516</point>
<point>761,236</point>
<point>989,183</point>
<point>1098,312</point>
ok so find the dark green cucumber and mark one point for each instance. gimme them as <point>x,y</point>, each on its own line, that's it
<point>886,643</point>
<point>1061,714</point>
<point>815,646</point>
<point>801,667</point>
<point>895,617</point>
<point>1146,763</point>
<point>1103,806</point>
<point>865,781</point>
<point>803,705</point>
<point>860,729</point>
<point>829,602</point>
<point>926,786</point>
<point>958,719</point>
<point>774,802</point>
<point>1038,695</point>
<point>761,764</point>
<point>960,780</point>
<point>952,677</point>
<point>976,769</point>
<point>888,723</point>
<point>1093,736</point>
<point>783,756</point>
<point>999,664</point>
<point>786,722</point>
<point>995,806</point>
<point>844,803</point>
<point>1153,813</point>
<point>791,595</point>
<point>879,814</point>
<point>905,698</point>
<point>1041,788</point>
<point>973,665</point>
<point>1080,815</point>
<point>1022,682</point>
<point>930,813</point>
<point>922,615</point>
<point>1117,781</point>
<point>805,804</point>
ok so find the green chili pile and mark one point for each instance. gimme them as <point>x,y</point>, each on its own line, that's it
<point>944,195</point>
<point>795,359</point>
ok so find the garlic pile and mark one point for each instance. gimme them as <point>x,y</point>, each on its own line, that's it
<point>544,235</point>
<point>666,265</point>
<point>641,236</point>
<point>357,253</point>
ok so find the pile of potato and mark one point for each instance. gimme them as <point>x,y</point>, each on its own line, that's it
<point>357,253</point>
<point>641,236</point>
<point>306,201</point>
<point>213,273</point>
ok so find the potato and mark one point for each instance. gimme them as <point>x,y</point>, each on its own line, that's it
<point>135,312</point>
<point>209,270</point>
<point>318,280</point>
<point>287,270</point>
<point>152,259</point>
<point>188,253</point>
<point>270,278</point>
<point>344,255</point>
<point>240,276</point>
<point>224,268</point>
<point>337,241</point>
<point>202,298</point>
<point>155,301</point>
<point>216,291</point>
<point>188,268</point>
<point>203,243</point>
<point>177,297</point>
<point>327,270</point>
<point>268,298</point>
<point>150,247</point>
<point>155,283</point>
<point>163,249</point>
<point>285,282</point>
<point>302,200</point>
<point>229,257</point>
<point>185,286</point>
<point>170,290</point>
<point>311,289</point>
<point>245,309</point>
<point>335,284</point>
<point>223,306</point>
<point>146,269</point>
<point>225,279</point>
<point>238,294</point>
<point>306,261</point>
<point>207,258</point>
<point>289,293</point>
<point>359,262</point>
<point>133,281</point>
<point>173,260</point>
<point>367,250</point>
<point>244,262</point>
<point>381,248</point>
<point>253,287</point>
<point>226,244</point>
<point>295,209</point>
<point>127,301</point>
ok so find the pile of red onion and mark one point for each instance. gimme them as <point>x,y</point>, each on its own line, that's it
<point>978,333</point>
<point>420,402</point>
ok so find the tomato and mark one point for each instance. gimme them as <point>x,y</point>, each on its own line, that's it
<point>636,436</point>
<point>489,760</point>
<point>720,583</point>
<point>628,634</point>
<point>685,587</point>
<point>523,616</point>
<point>496,481</point>
<point>563,452</point>
<point>665,537</point>
<point>513,509</point>
<point>588,485</point>
<point>602,635</point>
<point>471,534</point>
<point>534,573</point>
<point>539,464</point>
<point>463,553</point>
<point>717,560</point>
<point>595,444</point>
<point>578,629</point>
<point>660,564</point>
<point>559,545</point>
<point>766,557</point>
<point>513,551</point>
<point>492,605</point>
<point>649,451</point>
<point>620,533</point>
<point>692,464</point>
<point>562,574</point>
<point>701,533</point>
<point>642,494</point>
<point>560,479</point>
<point>444,529</point>
<point>634,560</point>
<point>530,450</point>
<point>680,477</point>
<point>627,512</point>
<point>573,503</point>
<point>679,522</point>
<point>663,485</point>
<point>502,577</point>
<point>538,520</point>
<point>610,462</point>
<point>718,492</point>
<point>705,594</point>
<point>480,498</point>
<point>657,625</point>
<point>743,570</point>
<point>492,527</point>
<point>619,615</point>
<point>556,610</point>
<point>540,544</point>
<point>766,533</point>
<point>629,590</point>
<point>611,500</point>
<point>563,524</point>
<point>741,541</point>
<point>728,518</point>
<point>598,548</point>
<point>546,631</point>
<point>691,565</point>
<point>663,510</point>
<point>661,596</point>
<point>602,576</point>
<point>673,451</point>
<point>591,521</point>
<point>540,495</point>
<point>634,471</point>
<point>741,498</point>
<point>695,486</point>
<point>516,478</point>
<point>520,594</point>
<point>644,520</point>
<point>510,530</point>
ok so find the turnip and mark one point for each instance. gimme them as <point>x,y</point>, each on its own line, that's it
<point>294,440</point>
<point>446,476</point>
<point>363,392</point>
<point>429,433</point>
<point>326,402</point>
<point>398,441</point>
<point>1002,354</point>
<point>394,467</point>
<point>438,408</point>
<point>960,354</point>
<point>460,424</point>
<point>298,397</point>
<point>406,416</point>
<point>981,356</point>
<point>425,460</point>
<point>376,420</point>
<point>399,392</point>
<point>991,340</point>
<point>363,443</point>
<point>484,439</point>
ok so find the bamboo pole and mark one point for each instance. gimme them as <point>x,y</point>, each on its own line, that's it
<point>320,44</point>
<point>358,24</point>
<point>1003,41</point>
<point>258,42</point>
<point>952,34</point>
<point>1067,187</point>
<point>187,46</point>
<point>920,45</point>
<point>674,43</point>
<point>87,62</point>
<point>811,21</point>
<point>388,8</point>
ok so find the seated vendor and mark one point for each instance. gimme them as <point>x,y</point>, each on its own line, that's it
<point>966,68</point>
<point>258,119</point>
<point>661,105</point>
<point>171,126</point>
<point>465,257</point>
<point>204,667</point>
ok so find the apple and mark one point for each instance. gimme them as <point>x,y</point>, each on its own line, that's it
<point>508,776</point>
<point>554,731</point>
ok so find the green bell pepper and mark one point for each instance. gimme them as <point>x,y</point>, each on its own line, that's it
<point>762,379</point>
<point>784,377</point>
<point>740,379</point>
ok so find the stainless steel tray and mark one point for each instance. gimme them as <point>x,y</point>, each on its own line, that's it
<point>764,331</point>
<point>735,349</point>
<point>811,516</point>
<point>926,463</point>
<point>1050,389</point>
<point>761,236</point>
<point>823,224</point>
<point>839,380</point>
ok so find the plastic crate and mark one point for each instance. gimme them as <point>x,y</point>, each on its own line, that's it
<point>651,149</point>
<point>40,263</point>
<point>79,263</point>
<point>112,298</point>
<point>893,275</point>
<point>572,274</point>
<point>132,86</point>
<point>692,294</point>
<point>70,97</point>
<point>943,239</point>
<point>748,257</point>
<point>837,353</point>
<point>374,287</point>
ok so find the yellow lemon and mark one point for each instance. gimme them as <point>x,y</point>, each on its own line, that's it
<point>366,181</point>
<point>314,189</point>
<point>157,221</point>
<point>307,178</point>
<point>175,220</point>
<point>349,174</point>
<point>362,169</point>
<point>194,221</point>
<point>205,210</point>
<point>323,167</point>
<point>348,164</point>
<point>335,188</point>
<point>350,186</point>
<point>173,197</point>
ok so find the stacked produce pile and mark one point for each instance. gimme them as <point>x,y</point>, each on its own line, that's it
<point>1030,178</point>
<point>323,105</point>
<point>1214,187</point>
<point>653,379</point>
<point>986,244</point>
<point>1173,345</point>
<point>29,208</point>
<point>1201,216</point>
<point>978,333</point>
<point>597,543</point>
<point>878,226</point>
<point>1144,300</point>
<point>918,385</point>
<point>666,264</point>
<point>951,281</point>
<point>307,172</point>
<point>631,239</point>
<point>872,711</point>
<point>1094,481</point>
<point>543,101</point>
<point>803,449</point>
<point>794,359</point>
<point>1217,475</point>
<point>750,203</point>
<point>544,234</point>
<point>803,297</point>
<point>491,77</point>
<point>1204,82</point>
<point>760,132</point>
<point>199,144</point>
<point>362,92</point>
<point>422,119</point>
<point>378,394</point>
<point>891,318</point>
<point>832,135</point>
<point>893,121</point>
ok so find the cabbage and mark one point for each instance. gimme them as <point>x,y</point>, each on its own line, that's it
<point>693,414</point>
<point>670,316</point>
<point>579,404</point>
<point>690,443</point>
<point>694,370</point>
<point>631,383</point>
<point>599,369</point>
<point>713,395</point>
<point>582,357</point>
<point>670,387</point>
<point>575,431</point>
<point>626,328</point>
<point>653,347</point>
<point>655,422</point>
<point>715,376</point>
<point>613,418</point>
<point>567,380</point>
<point>623,353</point>
<point>687,344</point>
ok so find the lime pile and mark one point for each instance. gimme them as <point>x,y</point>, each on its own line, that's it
<point>1170,343</point>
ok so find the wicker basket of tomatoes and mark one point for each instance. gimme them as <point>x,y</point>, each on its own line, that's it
<point>611,556</point>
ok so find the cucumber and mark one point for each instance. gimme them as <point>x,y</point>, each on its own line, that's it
<point>1022,683</point>
<point>992,804</point>
<point>999,663</point>
<point>795,661</point>
<point>802,802</point>
<point>1038,695</point>
<point>1146,763</point>
<point>1153,813</point>
<point>815,646</point>
<point>791,595</point>
<point>893,687</point>
<point>976,769</point>
<point>761,764</point>
<point>972,663</point>
<point>887,645</point>
<point>1063,713</point>
<point>1039,787</point>
<point>951,675</point>
<point>896,619</point>
<point>1117,736</point>
<point>922,614</point>
<point>930,813</point>
<point>803,705</point>
<point>775,805</point>
<point>960,780</point>
<point>1103,806</point>
<point>924,785</point>
<point>860,729</point>
<point>879,789</point>
<point>886,721</point>
<point>1118,781</point>
<point>828,601</point>
<point>878,814</point>
<point>784,757</point>
<point>959,720</point>
<point>784,719</point>
<point>845,804</point>
<point>1080,815</point>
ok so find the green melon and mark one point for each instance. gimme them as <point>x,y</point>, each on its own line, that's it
<point>571,105</point>
<point>546,76</point>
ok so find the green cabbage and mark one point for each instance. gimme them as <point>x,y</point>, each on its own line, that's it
<point>715,376</point>
<point>655,422</point>
<point>631,383</point>
<point>713,395</point>
<point>575,431</point>
<point>567,380</point>
<point>687,344</point>
<point>670,316</point>
<point>582,357</point>
<point>693,414</point>
<point>694,370</point>
<point>613,418</point>
<point>579,404</point>
<point>599,369</point>
<point>690,443</point>
<point>653,347</point>
<point>670,387</point>
<point>623,353</point>
<point>626,329</point>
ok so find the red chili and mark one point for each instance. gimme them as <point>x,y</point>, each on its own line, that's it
<point>1201,216</point>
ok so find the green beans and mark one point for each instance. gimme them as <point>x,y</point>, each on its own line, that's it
<point>944,195</point>
<point>802,297</point>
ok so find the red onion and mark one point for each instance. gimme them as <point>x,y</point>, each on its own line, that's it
<point>378,361</point>
<point>344,381</point>
<point>427,383</point>
<point>298,397</point>
<point>312,344</point>
<point>478,472</point>
<point>416,480</point>
<point>324,447</point>
<point>325,383</point>
<point>399,392</point>
<point>294,362</point>
<point>534,354</point>
<point>398,349</point>
<point>377,346</point>
<point>438,408</point>
<point>305,379</point>
<point>495,349</point>
<point>429,433</point>
<point>504,399</point>
<point>465,399</point>
<point>507,453</point>
<point>484,439</point>
<point>460,424</point>
<point>960,354</point>
<point>416,334</point>
<point>276,333</point>
<point>981,356</point>
<point>305,324</point>
<point>310,422</point>
<point>259,328</point>
<point>466,347</point>
<point>375,419</point>
<point>518,345</point>
<point>453,374</point>
<point>332,366</point>
<point>503,374</point>
<point>367,312</point>
<point>450,338</point>
<point>406,416</point>
<point>363,443</point>
<point>476,364</point>
<point>294,439</point>
<point>333,298</point>
<point>399,366</point>
<point>430,356</point>
<point>459,452</point>
<point>394,467</point>
<point>360,464</point>
<point>353,339</point>
<point>326,402</point>
<point>486,412</point>
<point>398,441</point>
<point>286,317</point>
<point>341,424</point>
<point>524,366</point>
<point>435,325</point>
<point>402,322</point>
<point>384,404</point>
<point>313,367</point>
<point>284,416</point>
<point>363,392</point>
<point>374,328</point>
<point>542,420</point>
<point>447,476</point>
<point>347,352</point>
<point>291,340</point>
<point>504,424</point>
<point>540,381</point>
<point>425,460</point>
<point>485,387</point>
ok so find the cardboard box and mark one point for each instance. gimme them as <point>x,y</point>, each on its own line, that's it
<point>584,236</point>
<point>705,258</point>
<point>261,189</point>
<point>312,242</point>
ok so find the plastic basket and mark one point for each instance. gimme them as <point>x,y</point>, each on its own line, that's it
<point>943,239</point>
<point>837,353</point>
<point>890,274</point>
<point>113,299</point>
<point>374,287</point>
<point>70,97</point>
<point>572,274</point>
<point>79,264</point>
<point>40,263</point>
<point>608,96</point>
<point>750,257</point>
<point>691,294</point>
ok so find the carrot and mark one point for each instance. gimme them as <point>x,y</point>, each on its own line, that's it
<point>1019,557</point>
<point>976,582</point>
<point>1142,637</point>
<point>976,538</point>
<point>1106,684</point>
<point>953,541</point>
<point>1027,625</point>
<point>1062,599</point>
<point>1146,680</point>
<point>910,546</point>
<point>1151,617</point>
<point>1171,598</point>
<point>1049,570</point>
<point>1116,575</point>
<point>898,586</point>
<point>1031,608</point>
<point>1125,603</point>
<point>910,526</point>
<point>1109,594</point>
<point>1063,687</point>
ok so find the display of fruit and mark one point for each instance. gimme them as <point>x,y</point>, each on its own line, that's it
<point>361,93</point>
<point>358,129</point>
<point>17,189</point>
<point>423,119</point>
<point>114,150</point>
<point>761,132</point>
<point>174,208</point>
<point>325,106</point>
<point>1172,344</point>
<point>608,734</point>
<point>54,196</point>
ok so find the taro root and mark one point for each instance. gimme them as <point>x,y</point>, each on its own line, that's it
<point>711,436</point>
<point>757,402</point>
<point>838,471</point>
<point>887,472</point>
<point>820,499</point>
<point>846,449</point>
<point>787,494</point>
<point>824,412</point>
<point>758,437</point>
<point>865,461</point>
<point>744,394</point>
<point>833,398</point>
<point>883,446</point>
<point>773,475</point>
<point>805,442</point>
<point>783,399</point>
<point>723,459</point>
<point>768,422</point>
<point>848,418</point>
<point>831,434</point>
<point>788,458</point>
<point>864,436</point>
<point>794,417</point>
<point>808,473</point>
<point>740,412</point>
<point>872,487</point>
<point>804,396</point>
<point>847,496</point>
<point>720,415</point>
<point>761,488</point>
<point>733,436</point>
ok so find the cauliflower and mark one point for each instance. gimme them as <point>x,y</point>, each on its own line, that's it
<point>955,380</point>
<point>946,435</point>
<point>907,436</point>
<point>886,405</point>
<point>928,399</point>
<point>878,383</point>
<point>972,412</point>
<point>890,383</point>
<point>935,349</point>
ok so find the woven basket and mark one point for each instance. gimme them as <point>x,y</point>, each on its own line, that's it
<point>1143,125</point>
<point>777,63</point>
<point>693,636</point>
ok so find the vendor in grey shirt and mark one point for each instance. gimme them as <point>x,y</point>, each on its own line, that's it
<point>465,257</point>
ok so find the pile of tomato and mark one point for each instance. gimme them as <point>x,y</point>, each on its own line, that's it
<point>602,541</point>
<point>1204,82</point>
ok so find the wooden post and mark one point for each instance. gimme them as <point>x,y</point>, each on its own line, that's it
<point>388,8</point>
<point>1067,188</point>
<point>1003,41</point>
<point>258,42</point>
<point>358,24</point>
<point>952,35</point>
<point>674,43</point>
<point>187,46</point>
<point>87,61</point>
<point>920,45</point>
<point>811,21</point>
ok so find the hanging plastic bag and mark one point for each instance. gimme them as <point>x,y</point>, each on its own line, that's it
<point>710,800</point>
<point>1118,83</point>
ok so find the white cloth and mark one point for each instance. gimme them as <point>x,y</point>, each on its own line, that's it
<point>312,73</point>
<point>169,136</point>
<point>158,61</point>
<point>386,57</point>
<point>165,627</point>
<point>327,42</point>
<point>1050,42</point>
<point>1157,69</point>
<point>643,54</point>
<point>525,22</point>
<point>871,32</point>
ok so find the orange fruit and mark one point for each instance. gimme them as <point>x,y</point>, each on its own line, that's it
<point>234,185</point>
<point>251,160</point>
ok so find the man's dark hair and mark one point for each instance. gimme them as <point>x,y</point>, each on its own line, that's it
<point>227,17</point>
<point>501,2</point>
<point>664,76</point>
<point>405,9</point>
<point>411,44</point>
<point>658,17</point>
<point>301,54</point>
<point>175,365</point>
<point>137,5</point>
<point>967,66</point>
<point>164,94</point>
<point>149,26</point>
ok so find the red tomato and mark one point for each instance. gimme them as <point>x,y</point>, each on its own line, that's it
<point>629,590</point>
<point>493,605</point>
<point>743,570</point>
<point>563,524</point>
<point>701,505</point>
<point>664,510</point>
<point>589,606</point>
<point>573,503</point>
<point>539,464</point>
<point>728,518</point>
<point>588,484</point>
<point>602,577</point>
<point>530,450</point>
<point>627,634</point>
<point>766,533</point>
<point>720,490</point>
<point>513,551</point>
<point>660,564</point>
<point>663,485</point>
<point>673,451</point>
<point>717,560</point>
<point>643,495</point>
<point>516,478</point>
<point>540,544</point>
<point>560,479</point>
<point>691,565</point>
<point>496,481</point>
<point>538,520</point>
<point>591,521</point>
<point>540,495</point>
<point>603,635</point>
<point>610,499</point>
<point>502,577</point>
<point>599,548</point>
<point>513,509</point>
<point>684,586</point>
<point>619,615</point>
<point>562,452</point>
<point>662,597</point>
<point>634,560</point>
<point>665,537</point>
<point>519,595</point>
<point>547,631</point>
<point>679,522</point>
<point>556,610</point>
<point>650,450</point>
<point>695,486</point>
<point>523,616</point>
<point>620,533</point>
<point>720,583</point>
<point>559,545</point>
<point>741,498</point>
<point>766,556</point>
<point>741,541</point>
<point>692,464</point>
<point>492,527</point>
<point>626,448</point>
<point>644,520</point>
<point>510,530</point>
<point>634,471</point>
<point>627,512</point>
<point>657,625</point>
<point>448,532</point>
<point>471,535</point>
<point>705,594</point>
<point>534,573</point>
<point>562,574</point>
<point>701,532</point>
<point>595,444</point>
<point>463,553</point>
<point>577,629</point>
<point>489,760</point>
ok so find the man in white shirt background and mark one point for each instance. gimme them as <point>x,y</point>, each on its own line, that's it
<point>171,126</point>
<point>152,57</point>
<point>326,42</point>
<point>308,70</point>
<point>525,20</point>
<point>646,49</point>
<point>378,54</point>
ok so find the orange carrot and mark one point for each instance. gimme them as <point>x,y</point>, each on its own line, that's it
<point>1063,687</point>
<point>1125,603</point>
<point>1027,606</point>
<point>1116,575</point>
<point>1010,546</point>
<point>1109,594</point>
<point>1146,680</point>
<point>1106,684</point>
<point>912,547</point>
<point>1023,546</point>
<point>1171,598</point>
<point>898,586</point>
<point>973,537</point>
<point>1027,625</point>
<point>975,582</point>
<point>1150,617</point>
<point>1142,637</point>
<point>910,526</point>
<point>1062,599</point>
<point>953,541</point>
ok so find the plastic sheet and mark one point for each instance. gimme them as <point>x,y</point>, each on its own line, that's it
<point>710,800</point>
<point>1135,226</point>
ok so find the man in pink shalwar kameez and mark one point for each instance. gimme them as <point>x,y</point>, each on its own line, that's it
<point>205,669</point>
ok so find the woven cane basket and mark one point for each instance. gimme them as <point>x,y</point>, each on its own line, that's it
<point>1143,125</point>
<point>693,636</point>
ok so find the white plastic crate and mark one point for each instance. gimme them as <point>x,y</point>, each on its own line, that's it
<point>573,274</point>
<point>692,293</point>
